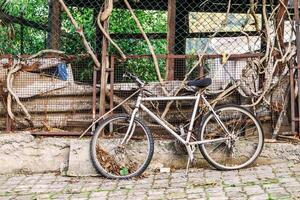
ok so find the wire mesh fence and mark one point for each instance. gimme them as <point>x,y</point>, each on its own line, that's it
<point>231,36</point>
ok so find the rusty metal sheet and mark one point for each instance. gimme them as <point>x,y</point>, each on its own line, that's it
<point>28,84</point>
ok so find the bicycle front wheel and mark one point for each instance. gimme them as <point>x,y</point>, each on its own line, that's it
<point>244,142</point>
<point>118,156</point>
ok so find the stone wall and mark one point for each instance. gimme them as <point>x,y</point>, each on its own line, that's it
<point>23,153</point>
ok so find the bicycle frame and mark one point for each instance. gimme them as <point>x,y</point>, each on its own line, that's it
<point>186,142</point>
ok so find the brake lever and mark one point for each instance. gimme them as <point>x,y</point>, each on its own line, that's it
<point>126,75</point>
<point>134,78</point>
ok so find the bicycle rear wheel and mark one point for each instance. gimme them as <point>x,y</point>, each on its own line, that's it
<point>117,160</point>
<point>243,146</point>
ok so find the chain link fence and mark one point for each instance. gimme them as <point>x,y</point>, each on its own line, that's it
<point>59,95</point>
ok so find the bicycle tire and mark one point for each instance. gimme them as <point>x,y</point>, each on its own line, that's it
<point>226,161</point>
<point>101,166</point>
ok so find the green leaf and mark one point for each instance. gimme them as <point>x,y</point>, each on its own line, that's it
<point>124,171</point>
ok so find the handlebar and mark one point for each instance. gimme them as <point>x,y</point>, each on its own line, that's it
<point>135,78</point>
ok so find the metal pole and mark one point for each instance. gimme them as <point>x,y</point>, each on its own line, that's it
<point>94,108</point>
<point>111,93</point>
<point>103,72</point>
<point>292,91</point>
<point>297,23</point>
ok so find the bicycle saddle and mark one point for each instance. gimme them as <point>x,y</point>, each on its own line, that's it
<point>201,83</point>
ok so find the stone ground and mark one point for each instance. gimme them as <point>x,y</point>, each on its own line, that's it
<point>275,181</point>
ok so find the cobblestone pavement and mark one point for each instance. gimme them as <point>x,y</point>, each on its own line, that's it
<point>275,181</point>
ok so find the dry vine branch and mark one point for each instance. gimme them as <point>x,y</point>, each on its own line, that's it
<point>161,81</point>
<point>9,107</point>
<point>225,93</point>
<point>99,18</point>
<point>268,39</point>
<point>79,30</point>
<point>267,57</point>
<point>9,81</point>
<point>269,80</point>
<point>252,12</point>
<point>227,13</point>
<point>107,11</point>
<point>289,53</point>
<point>44,52</point>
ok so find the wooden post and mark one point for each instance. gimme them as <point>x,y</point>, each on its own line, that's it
<point>292,96</point>
<point>103,71</point>
<point>98,32</point>
<point>297,23</point>
<point>22,34</point>
<point>280,18</point>
<point>96,73</point>
<point>263,48</point>
<point>181,33</point>
<point>54,24</point>
<point>171,38</point>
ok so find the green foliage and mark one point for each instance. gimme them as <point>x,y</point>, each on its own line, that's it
<point>124,171</point>
<point>34,10</point>
<point>152,22</point>
<point>84,17</point>
<point>120,22</point>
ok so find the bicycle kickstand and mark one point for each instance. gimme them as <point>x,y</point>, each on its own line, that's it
<point>190,150</point>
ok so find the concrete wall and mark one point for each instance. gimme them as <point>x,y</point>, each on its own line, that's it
<point>23,153</point>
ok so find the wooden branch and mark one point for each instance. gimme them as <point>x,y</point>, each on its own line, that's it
<point>253,14</point>
<point>52,51</point>
<point>107,11</point>
<point>268,32</point>
<point>80,32</point>
<point>161,81</point>
<point>108,36</point>
<point>288,54</point>
<point>225,93</point>
<point>227,13</point>
<point>9,81</point>
<point>9,107</point>
<point>294,138</point>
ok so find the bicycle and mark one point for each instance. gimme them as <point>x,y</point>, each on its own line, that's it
<point>229,137</point>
